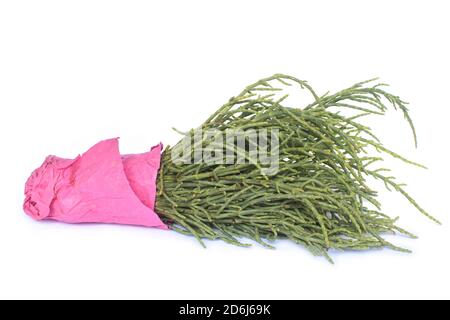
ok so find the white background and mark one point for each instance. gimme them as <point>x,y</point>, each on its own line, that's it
<point>75,72</point>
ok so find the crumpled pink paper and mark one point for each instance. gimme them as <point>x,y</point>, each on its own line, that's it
<point>101,186</point>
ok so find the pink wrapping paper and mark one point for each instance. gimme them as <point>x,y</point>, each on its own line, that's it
<point>100,186</point>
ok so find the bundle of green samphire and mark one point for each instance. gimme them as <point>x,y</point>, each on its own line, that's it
<point>318,197</point>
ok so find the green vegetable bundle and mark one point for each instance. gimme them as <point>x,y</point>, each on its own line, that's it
<point>319,197</point>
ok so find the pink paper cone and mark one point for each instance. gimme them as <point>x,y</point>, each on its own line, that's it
<point>99,186</point>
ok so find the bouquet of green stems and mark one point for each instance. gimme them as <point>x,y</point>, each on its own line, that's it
<point>259,168</point>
